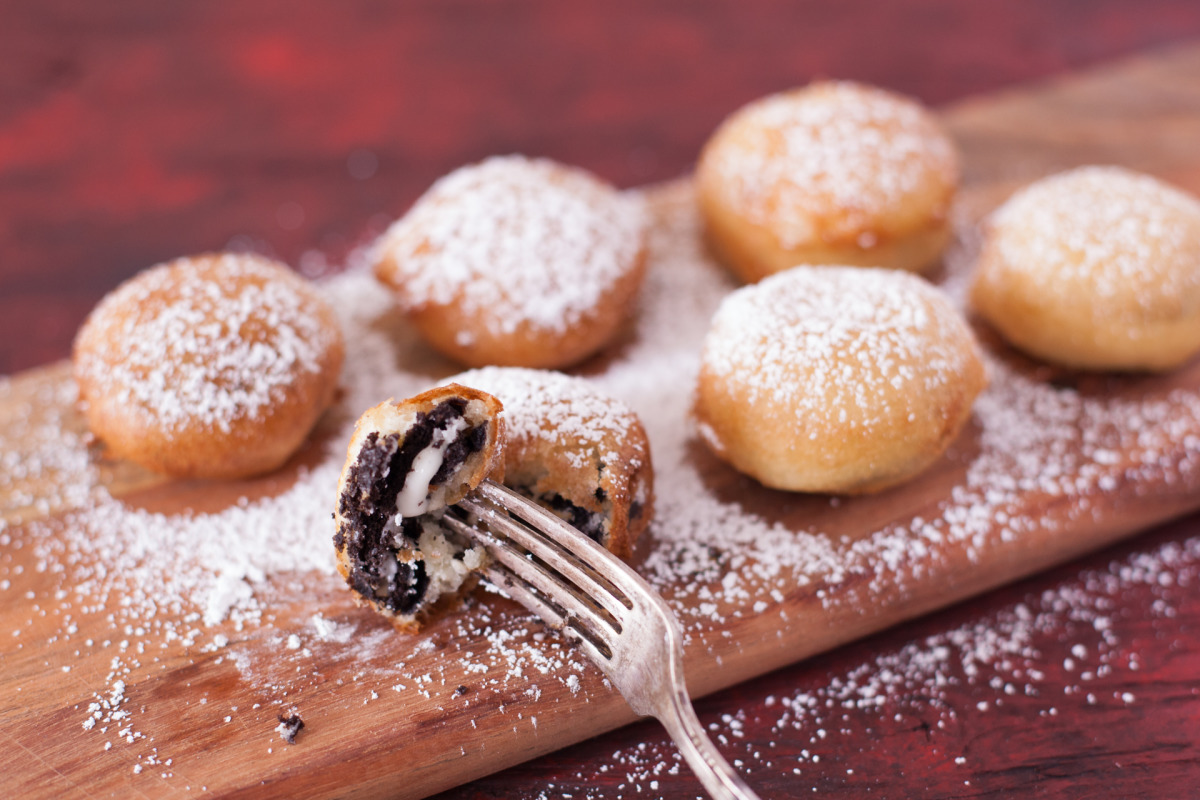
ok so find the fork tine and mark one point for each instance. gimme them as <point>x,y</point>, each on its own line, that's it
<point>610,577</point>
<point>597,648</point>
<point>550,613</point>
<point>600,564</point>
<point>591,581</point>
<point>538,531</point>
<point>530,586</point>
<point>587,552</point>
<point>549,585</point>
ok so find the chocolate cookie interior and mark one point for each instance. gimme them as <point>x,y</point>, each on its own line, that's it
<point>407,462</point>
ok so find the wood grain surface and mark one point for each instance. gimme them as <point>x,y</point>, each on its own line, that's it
<point>352,746</point>
<point>133,132</point>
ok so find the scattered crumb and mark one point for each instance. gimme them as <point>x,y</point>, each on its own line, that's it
<point>289,726</point>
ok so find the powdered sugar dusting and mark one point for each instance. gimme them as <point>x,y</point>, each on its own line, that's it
<point>582,418</point>
<point>1117,235</point>
<point>198,343</point>
<point>794,160</point>
<point>245,594</point>
<point>843,346</point>
<point>514,243</point>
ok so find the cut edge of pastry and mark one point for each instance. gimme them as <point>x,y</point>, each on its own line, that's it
<point>406,462</point>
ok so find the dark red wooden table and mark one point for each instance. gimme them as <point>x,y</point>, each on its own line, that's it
<point>132,132</point>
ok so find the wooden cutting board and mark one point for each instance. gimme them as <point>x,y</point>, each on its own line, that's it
<point>1054,465</point>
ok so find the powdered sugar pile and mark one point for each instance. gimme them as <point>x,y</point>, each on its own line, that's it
<point>146,585</point>
<point>513,243</point>
<point>46,469</point>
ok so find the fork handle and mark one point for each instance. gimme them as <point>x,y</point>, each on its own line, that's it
<point>720,780</point>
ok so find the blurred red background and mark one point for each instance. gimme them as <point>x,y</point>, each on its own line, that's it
<point>133,132</point>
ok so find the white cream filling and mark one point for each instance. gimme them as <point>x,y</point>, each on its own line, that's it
<point>413,500</point>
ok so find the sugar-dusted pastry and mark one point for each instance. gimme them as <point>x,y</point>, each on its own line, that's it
<point>836,379</point>
<point>213,366</point>
<point>574,450</point>
<point>517,261</point>
<point>1095,268</point>
<point>832,173</point>
<point>405,463</point>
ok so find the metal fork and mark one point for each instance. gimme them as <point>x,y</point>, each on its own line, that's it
<point>578,587</point>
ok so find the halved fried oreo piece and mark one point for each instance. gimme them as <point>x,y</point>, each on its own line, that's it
<point>406,462</point>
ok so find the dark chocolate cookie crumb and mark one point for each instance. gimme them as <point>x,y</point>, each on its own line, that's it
<point>289,726</point>
<point>590,523</point>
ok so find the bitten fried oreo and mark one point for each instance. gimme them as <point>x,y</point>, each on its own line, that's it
<point>517,261</point>
<point>575,451</point>
<point>213,366</point>
<point>406,462</point>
